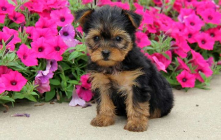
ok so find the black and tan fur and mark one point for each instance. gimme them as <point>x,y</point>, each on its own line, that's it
<point>123,80</point>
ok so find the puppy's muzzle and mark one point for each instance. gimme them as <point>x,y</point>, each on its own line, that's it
<point>105,54</point>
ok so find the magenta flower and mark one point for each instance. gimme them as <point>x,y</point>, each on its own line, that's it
<point>211,16</point>
<point>184,12</point>
<point>142,39</point>
<point>62,17</point>
<point>85,81</point>
<point>197,59</point>
<point>215,33</point>
<point>45,23</point>
<point>17,17</point>
<point>14,81</point>
<point>203,69</point>
<point>193,22</point>
<point>47,33</point>
<point>190,35</point>
<point>86,1</point>
<point>41,48</point>
<point>27,56</point>
<point>205,41</point>
<point>2,18</point>
<point>182,65</point>
<point>4,70</point>
<point>76,100</point>
<point>5,7</point>
<point>84,93</point>
<point>30,31</point>
<point>186,79</point>
<point>210,61</point>
<point>34,6</point>
<point>58,47</point>
<point>2,86</point>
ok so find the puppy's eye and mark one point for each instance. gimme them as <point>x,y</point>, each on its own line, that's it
<point>96,38</point>
<point>118,39</point>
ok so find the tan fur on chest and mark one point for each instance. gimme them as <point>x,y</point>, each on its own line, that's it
<point>123,81</point>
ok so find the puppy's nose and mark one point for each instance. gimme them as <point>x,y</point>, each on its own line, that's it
<point>105,53</point>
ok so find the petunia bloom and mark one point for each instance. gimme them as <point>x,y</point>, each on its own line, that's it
<point>2,86</point>
<point>5,7</point>
<point>142,39</point>
<point>76,100</point>
<point>14,81</point>
<point>4,70</point>
<point>27,56</point>
<point>211,16</point>
<point>58,47</point>
<point>17,17</point>
<point>41,48</point>
<point>85,81</point>
<point>62,17</point>
<point>186,79</point>
<point>84,93</point>
<point>193,22</point>
<point>205,41</point>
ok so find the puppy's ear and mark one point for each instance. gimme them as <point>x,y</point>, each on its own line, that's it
<point>133,17</point>
<point>82,15</point>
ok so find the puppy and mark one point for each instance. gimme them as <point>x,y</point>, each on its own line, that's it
<point>124,81</point>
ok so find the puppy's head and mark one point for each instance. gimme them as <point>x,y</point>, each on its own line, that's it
<point>109,33</point>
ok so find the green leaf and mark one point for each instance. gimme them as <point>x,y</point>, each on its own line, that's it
<point>49,95</point>
<point>55,82</point>
<point>166,55</point>
<point>7,98</point>
<point>64,66</point>
<point>18,95</point>
<point>75,82</point>
<point>30,97</point>
<point>73,55</point>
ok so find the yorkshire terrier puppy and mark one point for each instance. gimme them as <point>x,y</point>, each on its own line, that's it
<point>124,81</point>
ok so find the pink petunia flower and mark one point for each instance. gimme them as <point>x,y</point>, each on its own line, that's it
<point>85,81</point>
<point>215,33</point>
<point>46,33</point>
<point>193,22</point>
<point>190,35</point>
<point>2,18</point>
<point>142,39</point>
<point>5,7</point>
<point>211,16</point>
<point>58,47</point>
<point>4,70</point>
<point>27,56</point>
<point>205,41</point>
<point>2,86</point>
<point>62,17</point>
<point>76,100</point>
<point>17,17</point>
<point>41,48</point>
<point>203,69</point>
<point>84,93</point>
<point>186,79</point>
<point>45,23</point>
<point>14,81</point>
<point>86,1</point>
<point>30,31</point>
<point>182,65</point>
<point>184,12</point>
<point>34,6</point>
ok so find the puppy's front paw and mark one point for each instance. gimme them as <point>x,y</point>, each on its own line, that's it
<point>136,126</point>
<point>102,120</point>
